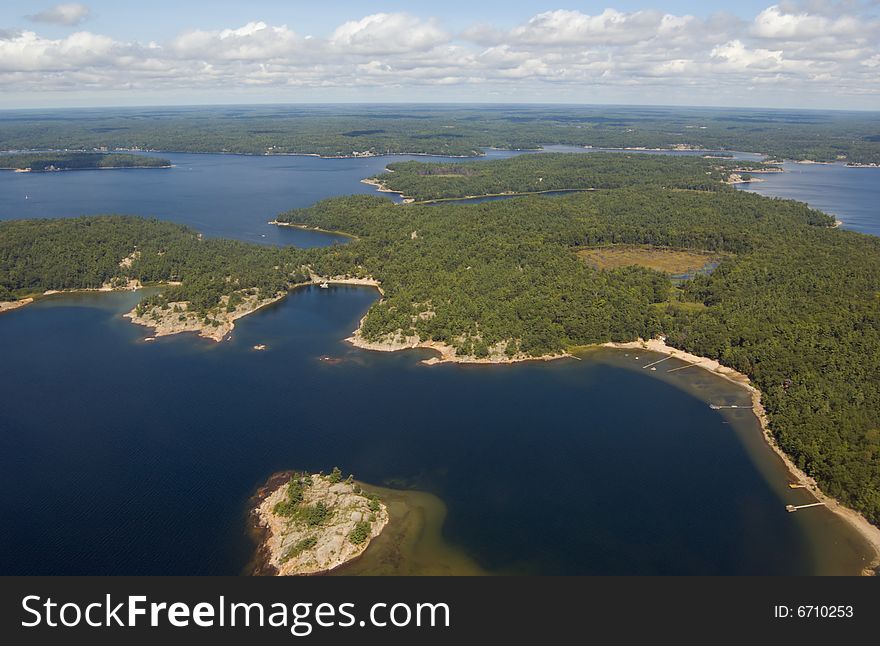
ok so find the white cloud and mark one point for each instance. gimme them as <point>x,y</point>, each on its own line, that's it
<point>822,46</point>
<point>26,51</point>
<point>776,23</point>
<point>611,27</point>
<point>254,41</point>
<point>734,55</point>
<point>386,33</point>
<point>62,14</point>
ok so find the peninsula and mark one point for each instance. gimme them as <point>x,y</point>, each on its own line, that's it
<point>315,523</point>
<point>550,172</point>
<point>49,162</point>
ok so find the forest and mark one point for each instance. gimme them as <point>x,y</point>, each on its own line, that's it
<point>558,171</point>
<point>88,252</point>
<point>794,302</point>
<point>41,162</point>
<point>458,130</point>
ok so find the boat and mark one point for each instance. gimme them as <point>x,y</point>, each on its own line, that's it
<point>324,285</point>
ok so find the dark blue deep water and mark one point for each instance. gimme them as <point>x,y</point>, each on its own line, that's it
<point>124,457</point>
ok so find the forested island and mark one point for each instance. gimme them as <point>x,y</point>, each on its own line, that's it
<point>315,523</point>
<point>47,162</point>
<point>550,172</point>
<point>351,131</point>
<point>787,299</point>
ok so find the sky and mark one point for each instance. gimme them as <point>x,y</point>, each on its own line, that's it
<point>792,54</point>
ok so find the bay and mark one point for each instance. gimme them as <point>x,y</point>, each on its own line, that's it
<point>124,457</point>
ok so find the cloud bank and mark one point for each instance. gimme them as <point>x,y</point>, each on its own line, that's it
<point>815,49</point>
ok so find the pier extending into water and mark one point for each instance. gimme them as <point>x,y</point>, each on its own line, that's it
<point>792,508</point>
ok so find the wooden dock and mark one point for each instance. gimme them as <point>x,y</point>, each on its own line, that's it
<point>792,508</point>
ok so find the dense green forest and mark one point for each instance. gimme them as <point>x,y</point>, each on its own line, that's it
<point>557,171</point>
<point>88,252</point>
<point>78,161</point>
<point>335,130</point>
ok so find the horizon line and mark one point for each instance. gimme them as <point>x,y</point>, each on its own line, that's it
<point>431,103</point>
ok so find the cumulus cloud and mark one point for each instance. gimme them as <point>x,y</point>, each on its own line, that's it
<point>384,33</point>
<point>26,52</point>
<point>63,14</point>
<point>254,41</point>
<point>776,23</point>
<point>611,27</point>
<point>812,47</point>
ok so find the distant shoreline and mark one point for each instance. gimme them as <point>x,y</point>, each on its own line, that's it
<point>62,170</point>
<point>477,153</point>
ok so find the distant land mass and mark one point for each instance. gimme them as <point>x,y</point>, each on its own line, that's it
<point>452,130</point>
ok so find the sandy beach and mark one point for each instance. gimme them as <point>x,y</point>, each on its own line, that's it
<point>868,531</point>
<point>380,186</point>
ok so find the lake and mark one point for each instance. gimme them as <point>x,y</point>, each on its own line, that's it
<point>850,194</point>
<point>124,457</point>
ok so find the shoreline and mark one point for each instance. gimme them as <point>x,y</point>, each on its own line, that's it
<point>330,549</point>
<point>447,352</point>
<point>736,178</point>
<point>219,333</point>
<point>171,324</point>
<point>869,532</point>
<point>476,155</point>
<point>303,227</point>
<point>466,198</point>
<point>64,170</point>
<point>132,286</point>
<point>8,306</point>
<point>382,188</point>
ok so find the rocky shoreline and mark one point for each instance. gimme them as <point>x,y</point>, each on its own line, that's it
<point>176,318</point>
<point>8,306</point>
<point>446,352</point>
<point>330,523</point>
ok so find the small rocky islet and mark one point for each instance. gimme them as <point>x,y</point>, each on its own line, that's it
<point>314,523</point>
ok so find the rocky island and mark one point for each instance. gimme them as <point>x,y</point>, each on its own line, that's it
<point>314,523</point>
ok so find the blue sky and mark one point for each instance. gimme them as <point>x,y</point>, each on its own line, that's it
<point>158,19</point>
<point>793,53</point>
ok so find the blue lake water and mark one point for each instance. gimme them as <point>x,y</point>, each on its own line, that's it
<point>119,456</point>
<point>850,194</point>
<point>232,196</point>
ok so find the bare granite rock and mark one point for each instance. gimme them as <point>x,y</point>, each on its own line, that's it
<point>295,543</point>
